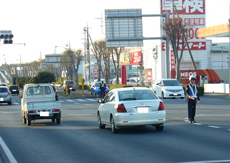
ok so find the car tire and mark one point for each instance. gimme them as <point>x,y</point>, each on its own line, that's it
<point>24,119</point>
<point>28,122</point>
<point>58,120</point>
<point>53,119</point>
<point>9,103</point>
<point>100,125</point>
<point>113,126</point>
<point>162,95</point>
<point>159,128</point>
<point>91,93</point>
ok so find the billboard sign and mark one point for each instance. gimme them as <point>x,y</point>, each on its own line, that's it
<point>131,56</point>
<point>95,70</point>
<point>149,75</point>
<point>192,13</point>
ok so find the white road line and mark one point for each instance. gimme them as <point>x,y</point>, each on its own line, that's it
<point>15,103</point>
<point>7,151</point>
<point>61,101</point>
<point>228,129</point>
<point>80,100</point>
<point>197,123</point>
<point>214,126</point>
<point>70,100</point>
<point>79,114</point>
<point>90,99</point>
<point>211,161</point>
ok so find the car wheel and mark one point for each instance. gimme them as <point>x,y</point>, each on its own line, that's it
<point>24,119</point>
<point>9,103</point>
<point>53,119</point>
<point>113,128</point>
<point>100,125</point>
<point>159,128</point>
<point>162,95</point>
<point>28,122</point>
<point>182,97</point>
<point>58,120</point>
<point>91,93</point>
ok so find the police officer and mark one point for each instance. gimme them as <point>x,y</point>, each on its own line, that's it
<point>192,97</point>
<point>102,88</point>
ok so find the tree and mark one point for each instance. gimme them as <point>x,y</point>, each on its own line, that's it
<point>116,62</point>
<point>45,77</point>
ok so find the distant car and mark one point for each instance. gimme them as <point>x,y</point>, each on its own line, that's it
<point>95,88</point>
<point>14,89</point>
<point>131,82</point>
<point>70,83</point>
<point>131,106</point>
<point>2,84</point>
<point>5,95</point>
<point>56,93</point>
<point>169,88</point>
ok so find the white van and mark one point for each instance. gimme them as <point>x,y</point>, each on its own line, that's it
<point>169,88</point>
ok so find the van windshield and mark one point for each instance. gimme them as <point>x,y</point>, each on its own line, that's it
<point>171,83</point>
<point>69,82</point>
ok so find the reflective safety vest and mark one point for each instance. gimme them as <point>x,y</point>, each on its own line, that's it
<point>103,85</point>
<point>192,93</point>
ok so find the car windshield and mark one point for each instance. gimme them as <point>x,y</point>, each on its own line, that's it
<point>2,84</point>
<point>136,95</point>
<point>13,87</point>
<point>3,90</point>
<point>97,84</point>
<point>171,83</point>
<point>69,82</point>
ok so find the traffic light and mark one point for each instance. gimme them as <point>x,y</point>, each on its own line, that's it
<point>7,36</point>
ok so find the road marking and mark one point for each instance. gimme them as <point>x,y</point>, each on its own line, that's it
<point>228,129</point>
<point>61,101</point>
<point>80,100</point>
<point>90,99</point>
<point>7,151</point>
<point>15,103</point>
<point>214,126</point>
<point>197,123</point>
<point>70,100</point>
<point>203,115</point>
<point>211,161</point>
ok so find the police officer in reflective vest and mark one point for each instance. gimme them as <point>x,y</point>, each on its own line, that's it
<point>102,88</point>
<point>192,97</point>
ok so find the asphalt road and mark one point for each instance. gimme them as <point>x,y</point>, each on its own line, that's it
<point>78,139</point>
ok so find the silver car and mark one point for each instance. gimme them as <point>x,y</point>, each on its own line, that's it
<point>5,95</point>
<point>132,106</point>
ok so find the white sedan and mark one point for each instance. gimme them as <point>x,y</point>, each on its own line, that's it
<point>131,106</point>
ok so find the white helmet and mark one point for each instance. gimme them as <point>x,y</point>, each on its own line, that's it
<point>192,77</point>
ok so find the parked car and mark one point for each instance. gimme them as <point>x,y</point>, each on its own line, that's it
<point>5,95</point>
<point>14,89</point>
<point>169,88</point>
<point>70,83</point>
<point>131,106</point>
<point>95,88</point>
<point>131,82</point>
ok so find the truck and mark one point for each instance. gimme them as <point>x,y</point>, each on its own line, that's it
<point>38,101</point>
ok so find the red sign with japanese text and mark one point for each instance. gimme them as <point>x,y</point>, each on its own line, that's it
<point>172,63</point>
<point>149,75</point>
<point>131,56</point>
<point>95,70</point>
<point>192,13</point>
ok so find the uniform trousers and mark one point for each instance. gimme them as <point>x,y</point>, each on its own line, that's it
<point>191,109</point>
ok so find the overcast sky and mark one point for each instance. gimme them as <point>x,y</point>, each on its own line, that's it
<point>44,24</point>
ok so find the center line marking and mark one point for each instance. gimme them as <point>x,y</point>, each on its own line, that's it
<point>7,151</point>
<point>214,126</point>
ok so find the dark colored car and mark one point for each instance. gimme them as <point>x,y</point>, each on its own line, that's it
<point>56,93</point>
<point>14,89</point>
<point>69,83</point>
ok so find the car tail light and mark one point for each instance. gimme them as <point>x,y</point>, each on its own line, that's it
<point>8,94</point>
<point>56,92</point>
<point>32,111</point>
<point>121,108</point>
<point>161,106</point>
<point>56,110</point>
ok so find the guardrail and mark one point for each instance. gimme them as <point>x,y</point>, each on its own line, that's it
<point>216,88</point>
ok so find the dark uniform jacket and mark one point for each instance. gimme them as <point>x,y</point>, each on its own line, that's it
<point>189,92</point>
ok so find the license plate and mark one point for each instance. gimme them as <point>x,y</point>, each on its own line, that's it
<point>175,94</point>
<point>44,114</point>
<point>143,110</point>
<point>14,90</point>
<point>1,99</point>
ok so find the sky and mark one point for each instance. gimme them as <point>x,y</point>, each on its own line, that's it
<point>44,24</point>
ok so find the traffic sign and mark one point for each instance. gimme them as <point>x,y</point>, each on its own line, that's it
<point>140,68</point>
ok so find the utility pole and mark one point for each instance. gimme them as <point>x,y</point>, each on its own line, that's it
<point>88,53</point>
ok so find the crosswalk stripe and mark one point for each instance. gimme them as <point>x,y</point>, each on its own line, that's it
<point>70,100</point>
<point>90,99</point>
<point>80,100</point>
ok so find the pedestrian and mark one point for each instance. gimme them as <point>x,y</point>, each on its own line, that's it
<point>192,97</point>
<point>102,88</point>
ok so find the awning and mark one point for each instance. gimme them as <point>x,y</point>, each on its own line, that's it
<point>221,30</point>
